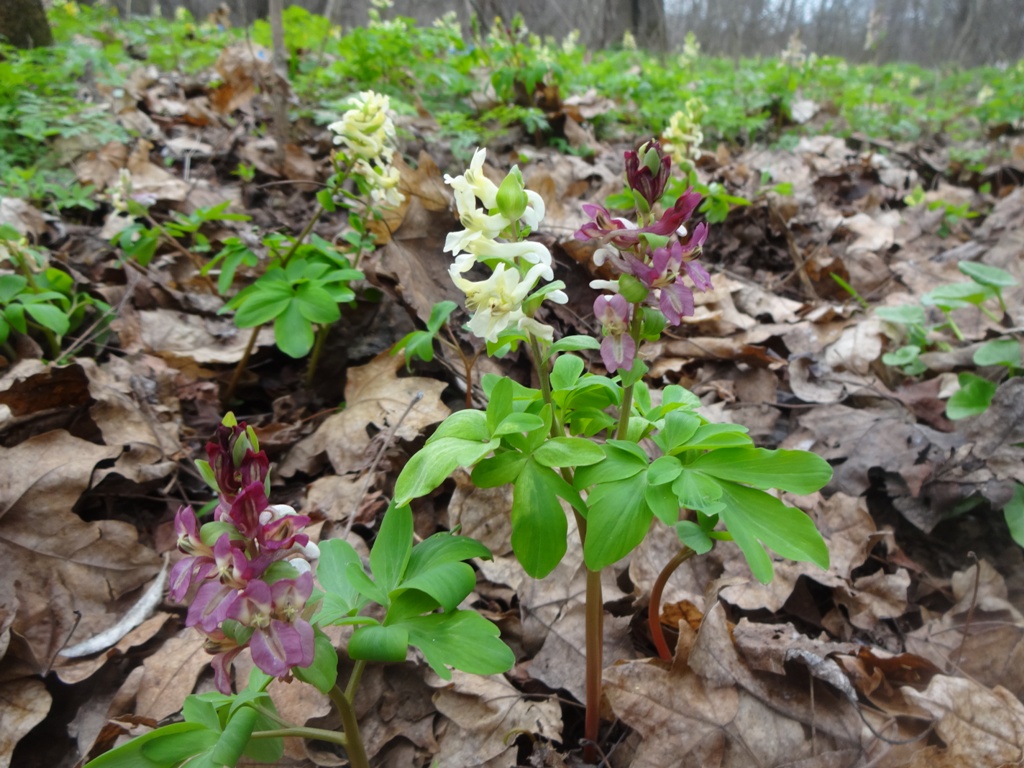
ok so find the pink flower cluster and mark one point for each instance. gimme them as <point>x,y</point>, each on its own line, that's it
<point>249,565</point>
<point>656,272</point>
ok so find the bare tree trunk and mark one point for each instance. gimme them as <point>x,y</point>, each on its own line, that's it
<point>23,23</point>
<point>279,89</point>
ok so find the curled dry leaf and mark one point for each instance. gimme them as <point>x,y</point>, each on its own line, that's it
<point>486,715</point>
<point>23,704</point>
<point>980,726</point>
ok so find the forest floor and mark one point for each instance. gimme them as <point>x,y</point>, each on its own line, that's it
<point>908,651</point>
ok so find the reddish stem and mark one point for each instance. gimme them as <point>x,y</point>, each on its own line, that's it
<point>654,608</point>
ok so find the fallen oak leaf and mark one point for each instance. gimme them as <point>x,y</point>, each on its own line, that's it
<point>139,612</point>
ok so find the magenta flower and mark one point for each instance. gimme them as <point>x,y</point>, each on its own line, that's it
<point>245,510</point>
<point>624,235</point>
<point>617,347</point>
<point>211,606</point>
<point>235,466</point>
<point>277,645</point>
<point>233,605</point>
<point>224,650</point>
<point>647,171</point>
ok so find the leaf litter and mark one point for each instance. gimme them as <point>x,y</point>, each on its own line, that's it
<point>907,652</point>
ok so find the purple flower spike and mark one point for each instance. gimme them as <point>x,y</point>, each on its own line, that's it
<point>617,347</point>
<point>280,646</point>
<point>246,508</point>
<point>647,171</point>
<point>212,604</point>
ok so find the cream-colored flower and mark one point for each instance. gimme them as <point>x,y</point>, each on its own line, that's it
<point>366,130</point>
<point>474,181</point>
<point>497,302</point>
<point>382,180</point>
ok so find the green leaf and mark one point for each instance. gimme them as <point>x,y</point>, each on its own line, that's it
<point>498,470</point>
<point>973,397</point>
<point>235,737</point>
<point>574,343</point>
<point>663,502</point>
<point>467,424</point>
<point>754,518</point>
<point>461,639</point>
<point>432,464</point>
<point>379,643</point>
<point>293,332</point>
<point>957,295</point>
<point>198,737</point>
<point>693,536</point>
<point>11,286</point>
<point>568,452</point>
<point>999,352</point>
<point>261,306</point>
<point>710,436</point>
<point>566,371</point>
<point>664,469</point>
<point>622,460</point>
<point>906,314</point>
<point>49,317</point>
<point>443,548</point>
<point>1014,514</point>
<point>697,491</point>
<point>366,586</point>
<point>680,426</point>
<point>516,423</point>
<point>316,304</point>
<point>795,471</point>
<point>539,526</point>
<point>392,548</point>
<point>439,315</point>
<point>322,674</point>
<point>499,405</point>
<point>983,274</point>
<point>618,519</point>
<point>447,584</point>
<point>331,571</point>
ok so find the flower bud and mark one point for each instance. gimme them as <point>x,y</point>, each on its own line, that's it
<point>511,200</point>
<point>647,171</point>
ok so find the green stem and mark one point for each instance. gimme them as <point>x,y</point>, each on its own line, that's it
<point>320,734</point>
<point>318,348</point>
<point>236,375</point>
<point>635,327</point>
<point>302,235</point>
<point>353,681</point>
<point>350,724</point>
<point>654,608</point>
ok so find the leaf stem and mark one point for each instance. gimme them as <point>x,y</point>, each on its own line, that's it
<point>654,608</point>
<point>302,732</point>
<point>595,664</point>
<point>353,681</point>
<point>318,348</point>
<point>350,724</point>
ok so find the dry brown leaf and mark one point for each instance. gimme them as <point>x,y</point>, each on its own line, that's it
<point>170,674</point>
<point>873,598</point>
<point>53,551</point>
<point>375,397</point>
<point>486,714</point>
<point>175,335</point>
<point>23,705</point>
<point>149,178</point>
<point>991,648</point>
<point>981,727</point>
<point>82,669</point>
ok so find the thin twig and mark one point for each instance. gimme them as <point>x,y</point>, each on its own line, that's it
<point>376,460</point>
<point>970,611</point>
